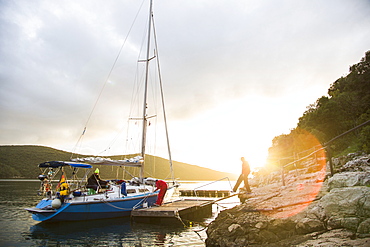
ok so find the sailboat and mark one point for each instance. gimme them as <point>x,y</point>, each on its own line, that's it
<point>74,199</point>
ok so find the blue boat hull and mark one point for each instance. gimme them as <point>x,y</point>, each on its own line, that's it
<point>90,210</point>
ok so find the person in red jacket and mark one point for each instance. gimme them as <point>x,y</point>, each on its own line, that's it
<point>244,176</point>
<point>162,187</point>
<point>245,171</point>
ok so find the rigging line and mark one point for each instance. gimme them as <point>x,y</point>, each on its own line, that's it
<point>127,137</point>
<point>139,77</point>
<point>154,92</point>
<point>163,105</point>
<point>155,143</point>
<point>135,96</point>
<point>137,86</point>
<point>79,141</point>
<point>109,74</point>
<point>113,141</point>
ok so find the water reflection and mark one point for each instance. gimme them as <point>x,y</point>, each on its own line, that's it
<point>112,232</point>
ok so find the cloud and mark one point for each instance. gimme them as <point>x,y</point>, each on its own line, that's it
<point>56,55</point>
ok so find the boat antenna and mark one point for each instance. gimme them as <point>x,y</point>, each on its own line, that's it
<point>146,91</point>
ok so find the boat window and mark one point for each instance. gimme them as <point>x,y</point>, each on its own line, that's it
<point>144,190</point>
<point>130,191</point>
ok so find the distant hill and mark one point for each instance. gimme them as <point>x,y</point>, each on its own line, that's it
<point>21,162</point>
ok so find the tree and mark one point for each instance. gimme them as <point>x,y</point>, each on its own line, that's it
<point>346,106</point>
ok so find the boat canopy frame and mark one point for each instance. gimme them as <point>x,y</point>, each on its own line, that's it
<point>52,168</point>
<point>132,162</point>
<point>58,164</point>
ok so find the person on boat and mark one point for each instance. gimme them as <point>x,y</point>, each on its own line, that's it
<point>246,170</point>
<point>45,186</point>
<point>95,182</point>
<point>162,187</point>
<point>63,188</point>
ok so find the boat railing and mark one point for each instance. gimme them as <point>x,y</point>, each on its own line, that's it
<point>212,193</point>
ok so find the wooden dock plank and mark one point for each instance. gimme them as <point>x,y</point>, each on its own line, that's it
<point>172,209</point>
<point>205,193</point>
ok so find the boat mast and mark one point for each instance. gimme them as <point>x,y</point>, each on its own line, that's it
<point>145,120</point>
<point>163,105</point>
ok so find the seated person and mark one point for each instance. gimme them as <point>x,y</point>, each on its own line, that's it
<point>95,182</point>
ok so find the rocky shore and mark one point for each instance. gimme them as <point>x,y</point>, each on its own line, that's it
<point>313,208</point>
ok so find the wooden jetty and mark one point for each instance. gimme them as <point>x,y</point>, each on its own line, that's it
<point>205,193</point>
<point>178,210</point>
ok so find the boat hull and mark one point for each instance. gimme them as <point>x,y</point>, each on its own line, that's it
<point>90,210</point>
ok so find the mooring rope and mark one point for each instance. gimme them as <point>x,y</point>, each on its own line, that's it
<point>113,206</point>
<point>177,215</point>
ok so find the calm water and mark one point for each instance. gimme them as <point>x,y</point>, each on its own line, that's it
<point>19,229</point>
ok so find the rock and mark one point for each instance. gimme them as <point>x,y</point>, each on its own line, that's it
<point>307,225</point>
<point>233,227</point>
<point>334,223</point>
<point>334,238</point>
<point>346,207</point>
<point>347,202</point>
<point>265,236</point>
<point>308,210</point>
<point>349,179</point>
<point>261,225</point>
<point>361,163</point>
<point>282,228</point>
<point>364,227</point>
<point>351,223</point>
<point>316,212</point>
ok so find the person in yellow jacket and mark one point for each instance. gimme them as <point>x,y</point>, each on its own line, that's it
<point>63,187</point>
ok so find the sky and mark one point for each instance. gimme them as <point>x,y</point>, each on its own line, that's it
<point>236,73</point>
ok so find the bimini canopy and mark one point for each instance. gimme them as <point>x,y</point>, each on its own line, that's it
<point>57,164</point>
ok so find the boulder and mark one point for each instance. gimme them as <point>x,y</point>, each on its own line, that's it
<point>349,179</point>
<point>347,202</point>
<point>358,163</point>
<point>307,225</point>
<point>364,228</point>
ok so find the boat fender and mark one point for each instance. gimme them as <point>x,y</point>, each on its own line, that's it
<point>56,203</point>
<point>123,189</point>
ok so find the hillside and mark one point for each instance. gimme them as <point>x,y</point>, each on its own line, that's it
<point>346,105</point>
<point>22,161</point>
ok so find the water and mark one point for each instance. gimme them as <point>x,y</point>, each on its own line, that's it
<point>19,229</point>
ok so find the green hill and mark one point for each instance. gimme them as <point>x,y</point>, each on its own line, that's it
<point>346,105</point>
<point>22,161</point>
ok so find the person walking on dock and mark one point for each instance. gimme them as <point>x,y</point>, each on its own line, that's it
<point>244,176</point>
<point>162,187</point>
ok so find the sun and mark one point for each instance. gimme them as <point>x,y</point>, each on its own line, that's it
<point>257,158</point>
